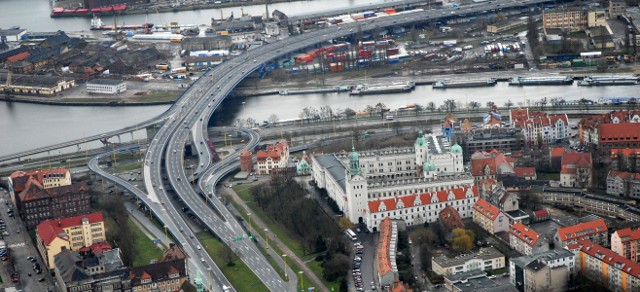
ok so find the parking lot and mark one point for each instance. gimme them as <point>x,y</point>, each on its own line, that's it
<point>364,262</point>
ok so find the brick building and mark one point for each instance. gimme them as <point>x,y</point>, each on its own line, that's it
<point>246,160</point>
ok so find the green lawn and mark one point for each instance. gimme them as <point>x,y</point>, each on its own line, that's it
<point>548,175</point>
<point>240,276</point>
<point>127,167</point>
<point>146,250</point>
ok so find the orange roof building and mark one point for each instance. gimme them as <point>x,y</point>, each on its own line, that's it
<point>623,184</point>
<point>48,178</point>
<point>627,159</point>
<point>490,165</point>
<point>626,242</point>
<point>451,218</point>
<point>575,170</point>
<point>611,130</point>
<point>489,217</point>
<point>526,240</point>
<point>386,252</point>
<point>274,157</point>
<point>540,128</point>
<point>607,268</point>
<point>595,231</point>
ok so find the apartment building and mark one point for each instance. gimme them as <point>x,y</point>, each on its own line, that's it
<point>505,140</point>
<point>623,184</point>
<point>625,242</point>
<point>540,128</point>
<point>577,200</point>
<point>616,8</point>
<point>625,159</point>
<point>544,271</point>
<point>595,231</point>
<point>486,259</point>
<point>37,203</point>
<point>386,252</point>
<point>489,217</point>
<point>576,170</point>
<point>48,178</point>
<point>526,240</point>
<point>274,157</point>
<point>608,268</point>
<point>613,130</point>
<point>168,274</point>
<point>573,19</point>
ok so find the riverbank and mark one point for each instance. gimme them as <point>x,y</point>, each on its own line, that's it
<point>79,97</point>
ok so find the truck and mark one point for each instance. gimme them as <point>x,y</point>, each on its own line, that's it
<point>162,66</point>
<point>179,70</point>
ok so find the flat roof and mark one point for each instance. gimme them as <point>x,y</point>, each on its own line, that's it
<point>35,81</point>
<point>335,168</point>
<point>12,31</point>
<point>105,81</point>
<point>485,253</point>
<point>551,255</point>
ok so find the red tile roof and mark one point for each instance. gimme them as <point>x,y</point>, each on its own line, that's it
<point>573,160</point>
<point>525,171</point>
<point>494,160</point>
<point>18,57</point>
<point>524,233</point>
<point>50,229</point>
<point>621,174</point>
<point>628,152</point>
<point>582,229</point>
<point>628,234</point>
<point>557,151</point>
<point>451,218</point>
<point>274,151</point>
<point>19,178</point>
<point>384,242</point>
<point>34,191</point>
<point>524,118</point>
<point>100,247</point>
<point>614,260</point>
<point>486,209</point>
<point>620,133</point>
<point>541,213</point>
<point>425,199</point>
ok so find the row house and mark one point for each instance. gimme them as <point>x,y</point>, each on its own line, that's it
<point>576,170</point>
<point>540,128</point>
<point>613,130</point>
<point>168,274</point>
<point>591,204</point>
<point>595,231</point>
<point>625,159</point>
<point>386,252</point>
<point>489,217</point>
<point>526,240</point>
<point>75,271</point>
<point>274,157</point>
<point>608,268</point>
<point>422,208</point>
<point>486,259</point>
<point>490,165</point>
<point>48,178</point>
<point>623,184</point>
<point>625,243</point>
<point>495,193</point>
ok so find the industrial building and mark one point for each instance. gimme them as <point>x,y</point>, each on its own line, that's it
<point>106,86</point>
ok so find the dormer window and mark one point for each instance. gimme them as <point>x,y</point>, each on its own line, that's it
<point>145,281</point>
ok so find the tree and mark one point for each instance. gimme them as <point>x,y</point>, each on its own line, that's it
<point>423,235</point>
<point>425,257</point>
<point>349,113</point>
<point>345,223</point>
<point>414,34</point>
<point>356,135</point>
<point>450,105</point>
<point>418,108</point>
<point>490,104</point>
<point>431,106</point>
<point>381,108</point>
<point>508,104</point>
<point>369,109</point>
<point>273,119</point>
<point>473,105</point>
<point>335,267</point>
<point>227,255</point>
<point>462,239</point>
<point>251,122</point>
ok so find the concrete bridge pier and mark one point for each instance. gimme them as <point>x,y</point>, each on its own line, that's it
<point>79,148</point>
<point>119,139</point>
<point>152,130</point>
<point>132,139</point>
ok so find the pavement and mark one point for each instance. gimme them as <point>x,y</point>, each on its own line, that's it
<point>367,267</point>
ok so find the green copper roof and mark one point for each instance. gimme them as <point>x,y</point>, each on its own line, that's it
<point>429,166</point>
<point>421,141</point>
<point>456,148</point>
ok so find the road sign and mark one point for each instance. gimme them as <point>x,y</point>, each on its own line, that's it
<point>237,239</point>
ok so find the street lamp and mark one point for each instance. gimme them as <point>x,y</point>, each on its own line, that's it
<point>249,215</point>
<point>266,236</point>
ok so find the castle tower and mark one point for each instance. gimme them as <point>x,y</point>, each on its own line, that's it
<point>356,189</point>
<point>421,148</point>
<point>246,161</point>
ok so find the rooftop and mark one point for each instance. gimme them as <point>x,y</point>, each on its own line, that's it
<point>582,229</point>
<point>485,253</point>
<point>50,229</point>
<point>478,281</point>
<point>486,209</point>
<point>105,82</point>
<point>546,256</point>
<point>336,169</point>
<point>524,233</point>
<point>611,258</point>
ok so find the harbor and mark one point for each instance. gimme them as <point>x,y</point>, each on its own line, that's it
<point>444,84</point>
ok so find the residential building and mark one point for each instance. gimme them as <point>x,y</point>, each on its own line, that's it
<point>505,25</point>
<point>625,159</point>
<point>526,240</point>
<point>475,281</point>
<point>495,193</point>
<point>572,19</point>
<point>386,252</point>
<point>486,259</point>
<point>246,160</point>
<point>106,86</point>
<point>590,203</point>
<point>274,157</point>
<point>89,272</point>
<point>613,130</point>
<point>623,184</point>
<point>555,158</point>
<point>489,217</point>
<point>539,128</point>
<point>528,173</point>
<point>371,185</point>
<point>625,242</point>
<point>303,167</point>
<point>492,164</point>
<point>505,140</point>
<point>559,267</point>
<point>399,286</point>
<point>595,231</point>
<point>71,233</point>
<point>451,218</point>
<point>169,274</point>
<point>48,178</point>
<point>608,268</point>
<point>576,170</point>
<point>36,203</point>
<point>616,8</point>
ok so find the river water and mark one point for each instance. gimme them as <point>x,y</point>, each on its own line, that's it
<point>34,14</point>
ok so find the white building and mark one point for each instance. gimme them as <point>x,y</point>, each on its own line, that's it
<point>486,259</point>
<point>560,261</point>
<point>540,128</point>
<point>526,240</point>
<point>106,86</point>
<point>12,34</point>
<point>415,176</point>
<point>274,157</point>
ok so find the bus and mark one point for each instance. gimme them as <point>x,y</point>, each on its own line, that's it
<point>351,234</point>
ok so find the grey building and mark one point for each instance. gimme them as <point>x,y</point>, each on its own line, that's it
<point>78,272</point>
<point>504,139</point>
<point>556,266</point>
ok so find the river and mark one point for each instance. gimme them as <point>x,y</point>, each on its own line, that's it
<point>34,14</point>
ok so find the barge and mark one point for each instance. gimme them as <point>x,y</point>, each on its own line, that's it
<point>556,80</point>
<point>463,84</point>
<point>608,80</point>
<point>382,89</point>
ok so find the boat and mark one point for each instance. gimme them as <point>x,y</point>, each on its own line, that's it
<point>556,80</point>
<point>365,89</point>
<point>97,24</point>
<point>608,80</point>
<point>442,84</point>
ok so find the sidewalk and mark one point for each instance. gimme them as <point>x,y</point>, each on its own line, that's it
<point>257,223</point>
<point>147,227</point>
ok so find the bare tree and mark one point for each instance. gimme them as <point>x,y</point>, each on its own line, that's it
<point>431,106</point>
<point>473,105</point>
<point>273,119</point>
<point>349,113</point>
<point>508,104</point>
<point>250,122</point>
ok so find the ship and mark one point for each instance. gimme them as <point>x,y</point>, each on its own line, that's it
<point>442,84</point>
<point>557,80</point>
<point>608,80</point>
<point>97,24</point>
<point>365,89</point>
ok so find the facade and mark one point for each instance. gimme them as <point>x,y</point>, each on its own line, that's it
<point>608,268</point>
<point>303,167</point>
<point>505,140</point>
<point>71,233</point>
<point>486,259</point>
<point>573,19</point>
<point>106,86</point>
<point>48,178</point>
<point>386,252</point>
<point>576,170</point>
<point>36,204</point>
<point>34,85</point>
<point>413,184</point>
<point>76,272</point>
<point>539,128</point>
<point>12,34</point>
<point>526,240</point>
<point>625,242</point>
<point>594,231</point>
<point>616,8</point>
<point>246,161</point>
<point>161,276</point>
<point>611,130</point>
<point>492,164</point>
<point>625,159</point>
<point>495,193</point>
<point>475,281</point>
<point>489,217</point>
<point>544,271</point>
<point>274,157</point>
<point>591,204</point>
<point>623,184</point>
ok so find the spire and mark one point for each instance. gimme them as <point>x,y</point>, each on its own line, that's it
<point>354,161</point>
